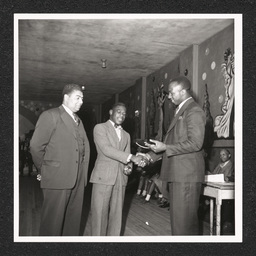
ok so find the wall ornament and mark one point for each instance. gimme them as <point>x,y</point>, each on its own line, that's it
<point>224,123</point>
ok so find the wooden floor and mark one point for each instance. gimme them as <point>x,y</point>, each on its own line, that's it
<point>138,219</point>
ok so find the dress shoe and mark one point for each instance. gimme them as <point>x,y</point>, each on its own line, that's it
<point>161,200</point>
<point>164,204</point>
<point>145,201</point>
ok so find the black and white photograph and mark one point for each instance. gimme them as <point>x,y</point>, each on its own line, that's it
<point>128,128</point>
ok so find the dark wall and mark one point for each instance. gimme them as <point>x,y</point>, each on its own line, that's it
<point>106,106</point>
<point>132,99</point>
<point>210,60</point>
<point>154,81</point>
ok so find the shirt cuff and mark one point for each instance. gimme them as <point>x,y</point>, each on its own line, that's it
<point>129,158</point>
<point>148,156</point>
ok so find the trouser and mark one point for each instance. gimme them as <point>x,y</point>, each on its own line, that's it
<point>62,209</point>
<point>184,203</point>
<point>106,208</point>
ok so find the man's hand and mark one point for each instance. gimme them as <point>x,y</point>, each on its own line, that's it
<point>139,160</point>
<point>136,159</point>
<point>157,147</point>
<point>127,169</point>
<point>38,177</point>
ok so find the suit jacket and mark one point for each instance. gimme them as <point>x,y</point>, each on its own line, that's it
<point>183,159</point>
<point>54,149</point>
<point>112,154</point>
<point>227,170</point>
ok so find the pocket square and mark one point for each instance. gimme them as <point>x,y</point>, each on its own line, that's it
<point>180,117</point>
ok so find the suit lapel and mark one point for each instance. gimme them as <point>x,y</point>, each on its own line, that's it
<point>123,139</point>
<point>67,119</point>
<point>174,120</point>
<point>113,133</point>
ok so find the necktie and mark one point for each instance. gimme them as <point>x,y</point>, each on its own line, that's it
<point>116,125</point>
<point>76,118</point>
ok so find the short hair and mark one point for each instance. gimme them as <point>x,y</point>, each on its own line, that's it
<point>182,81</point>
<point>118,104</point>
<point>69,88</point>
<point>224,149</point>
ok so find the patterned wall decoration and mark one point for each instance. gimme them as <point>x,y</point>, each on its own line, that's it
<point>151,115</point>
<point>37,107</point>
<point>224,123</point>
<point>161,97</point>
<point>210,72</point>
<point>132,99</point>
<point>157,86</point>
<point>29,111</point>
<point>210,60</point>
<point>209,132</point>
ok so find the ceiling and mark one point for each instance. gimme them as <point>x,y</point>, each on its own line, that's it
<point>53,53</point>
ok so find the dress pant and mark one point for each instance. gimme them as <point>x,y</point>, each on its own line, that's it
<point>184,203</point>
<point>106,208</point>
<point>62,210</point>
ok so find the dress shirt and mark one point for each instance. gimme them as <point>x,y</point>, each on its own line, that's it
<point>181,104</point>
<point>223,164</point>
<point>118,129</point>
<point>118,132</point>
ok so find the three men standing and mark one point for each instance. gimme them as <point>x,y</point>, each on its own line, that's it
<point>60,150</point>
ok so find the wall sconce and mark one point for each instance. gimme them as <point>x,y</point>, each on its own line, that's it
<point>104,65</point>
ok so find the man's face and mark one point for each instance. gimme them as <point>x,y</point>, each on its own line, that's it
<point>224,156</point>
<point>117,115</point>
<point>175,93</point>
<point>74,100</point>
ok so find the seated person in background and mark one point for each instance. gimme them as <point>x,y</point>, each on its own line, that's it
<point>144,176</point>
<point>158,186</point>
<point>154,185</point>
<point>225,166</point>
<point>143,184</point>
<point>227,213</point>
<point>26,162</point>
<point>149,178</point>
<point>146,173</point>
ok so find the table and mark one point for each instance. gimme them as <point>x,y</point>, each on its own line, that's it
<point>219,191</point>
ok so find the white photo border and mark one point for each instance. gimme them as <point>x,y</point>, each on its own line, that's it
<point>238,136</point>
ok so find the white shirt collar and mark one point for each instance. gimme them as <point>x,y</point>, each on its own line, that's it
<point>223,164</point>
<point>70,112</point>
<point>119,126</point>
<point>183,102</point>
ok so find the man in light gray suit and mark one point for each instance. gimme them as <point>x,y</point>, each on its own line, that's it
<point>109,176</point>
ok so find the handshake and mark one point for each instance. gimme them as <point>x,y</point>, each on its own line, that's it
<point>141,159</point>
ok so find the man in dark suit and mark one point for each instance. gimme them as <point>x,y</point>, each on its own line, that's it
<point>183,161</point>
<point>60,151</point>
<point>109,176</point>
